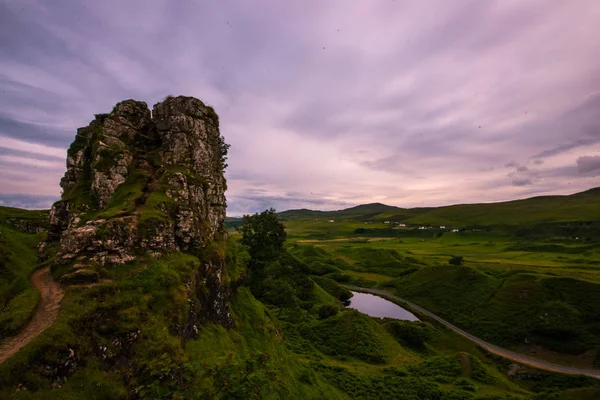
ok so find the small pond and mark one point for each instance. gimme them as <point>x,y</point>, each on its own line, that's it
<point>379,307</point>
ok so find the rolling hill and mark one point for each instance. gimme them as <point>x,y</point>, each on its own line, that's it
<point>579,207</point>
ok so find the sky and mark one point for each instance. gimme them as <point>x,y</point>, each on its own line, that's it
<point>326,104</point>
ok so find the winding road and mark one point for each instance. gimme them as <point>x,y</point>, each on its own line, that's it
<point>511,355</point>
<point>51,294</point>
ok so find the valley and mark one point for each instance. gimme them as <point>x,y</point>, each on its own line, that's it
<point>530,287</point>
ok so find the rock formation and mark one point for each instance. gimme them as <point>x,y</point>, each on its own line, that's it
<point>139,184</point>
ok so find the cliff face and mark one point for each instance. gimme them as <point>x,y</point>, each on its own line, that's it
<point>139,184</point>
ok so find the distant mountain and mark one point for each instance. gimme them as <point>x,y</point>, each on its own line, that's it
<point>363,211</point>
<point>584,206</point>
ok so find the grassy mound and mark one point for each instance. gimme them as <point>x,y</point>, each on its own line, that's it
<point>351,334</point>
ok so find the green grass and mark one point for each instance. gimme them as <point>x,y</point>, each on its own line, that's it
<point>18,259</point>
<point>536,283</point>
<point>579,207</point>
<point>515,289</point>
<point>347,355</point>
<point>352,334</point>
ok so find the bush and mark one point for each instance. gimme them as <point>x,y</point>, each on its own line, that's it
<point>327,310</point>
<point>464,384</point>
<point>412,334</point>
<point>321,268</point>
<point>456,260</point>
<point>349,333</point>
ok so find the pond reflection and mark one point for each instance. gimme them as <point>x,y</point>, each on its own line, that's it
<point>379,307</point>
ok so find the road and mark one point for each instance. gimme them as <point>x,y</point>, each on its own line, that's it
<point>511,355</point>
<point>51,294</point>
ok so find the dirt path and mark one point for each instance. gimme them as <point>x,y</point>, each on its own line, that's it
<point>46,312</point>
<point>511,355</point>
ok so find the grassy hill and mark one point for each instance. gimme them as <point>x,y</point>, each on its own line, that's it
<point>363,211</point>
<point>584,206</point>
<point>20,233</point>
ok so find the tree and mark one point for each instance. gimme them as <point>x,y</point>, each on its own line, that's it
<point>264,235</point>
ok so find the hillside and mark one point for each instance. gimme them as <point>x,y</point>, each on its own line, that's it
<point>364,211</point>
<point>584,206</point>
<point>20,233</point>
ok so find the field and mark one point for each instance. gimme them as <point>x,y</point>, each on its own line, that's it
<point>532,287</point>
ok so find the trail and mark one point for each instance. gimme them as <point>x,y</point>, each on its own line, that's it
<point>511,355</point>
<point>46,312</point>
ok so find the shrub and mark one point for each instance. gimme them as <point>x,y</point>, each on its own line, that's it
<point>349,333</point>
<point>456,260</point>
<point>327,310</point>
<point>413,334</point>
<point>464,384</point>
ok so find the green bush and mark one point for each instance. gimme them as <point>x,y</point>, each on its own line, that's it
<point>349,333</point>
<point>327,310</point>
<point>412,334</point>
<point>465,384</point>
<point>456,260</point>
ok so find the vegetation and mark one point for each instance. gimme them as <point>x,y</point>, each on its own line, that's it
<point>264,235</point>
<point>292,337</point>
<point>580,207</point>
<point>18,259</point>
<point>525,278</point>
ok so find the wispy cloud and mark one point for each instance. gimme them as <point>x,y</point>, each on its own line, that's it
<point>588,164</point>
<point>326,104</point>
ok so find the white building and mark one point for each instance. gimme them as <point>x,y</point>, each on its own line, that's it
<point>331,220</point>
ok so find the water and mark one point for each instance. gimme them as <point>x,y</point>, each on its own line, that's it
<point>379,307</point>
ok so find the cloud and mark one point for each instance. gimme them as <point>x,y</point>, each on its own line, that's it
<point>358,103</point>
<point>261,201</point>
<point>521,181</point>
<point>27,201</point>
<point>522,175</point>
<point>588,164</point>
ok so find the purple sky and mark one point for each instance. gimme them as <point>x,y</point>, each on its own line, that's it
<point>326,104</point>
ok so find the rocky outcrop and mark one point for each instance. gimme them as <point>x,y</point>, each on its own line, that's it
<point>139,184</point>
<point>25,225</point>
